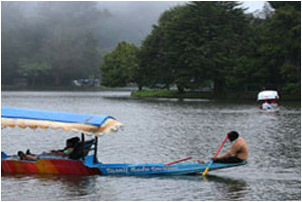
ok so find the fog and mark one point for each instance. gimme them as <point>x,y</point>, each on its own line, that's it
<point>127,21</point>
<point>131,21</point>
<point>71,34</point>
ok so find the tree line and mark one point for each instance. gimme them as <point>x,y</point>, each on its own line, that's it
<point>214,42</point>
<point>52,43</point>
<point>193,45</point>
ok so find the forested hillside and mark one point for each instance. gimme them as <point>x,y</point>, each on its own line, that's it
<point>193,45</point>
<point>218,44</point>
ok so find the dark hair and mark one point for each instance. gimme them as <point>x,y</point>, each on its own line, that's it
<point>73,141</point>
<point>233,135</point>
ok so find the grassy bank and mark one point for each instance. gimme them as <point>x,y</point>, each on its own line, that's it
<point>208,95</point>
<point>170,94</point>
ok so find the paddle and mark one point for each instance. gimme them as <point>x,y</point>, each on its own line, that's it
<point>185,159</point>
<point>217,152</point>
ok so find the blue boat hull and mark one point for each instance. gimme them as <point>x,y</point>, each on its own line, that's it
<point>156,169</point>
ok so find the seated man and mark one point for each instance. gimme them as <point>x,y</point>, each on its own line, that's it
<point>266,106</point>
<point>238,151</point>
<point>274,104</point>
<point>70,144</point>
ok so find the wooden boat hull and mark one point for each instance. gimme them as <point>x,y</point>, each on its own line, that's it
<point>48,166</point>
<point>159,169</point>
<point>88,167</point>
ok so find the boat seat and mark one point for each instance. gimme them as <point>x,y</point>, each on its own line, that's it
<point>78,149</point>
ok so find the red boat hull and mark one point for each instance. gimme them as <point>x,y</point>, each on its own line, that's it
<point>48,166</point>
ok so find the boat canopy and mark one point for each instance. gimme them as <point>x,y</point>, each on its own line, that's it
<point>90,124</point>
<point>268,95</point>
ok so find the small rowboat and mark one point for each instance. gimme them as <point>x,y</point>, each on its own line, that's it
<point>84,164</point>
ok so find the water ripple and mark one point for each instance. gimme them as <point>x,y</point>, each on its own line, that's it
<point>161,131</point>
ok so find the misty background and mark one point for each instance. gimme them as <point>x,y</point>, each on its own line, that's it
<point>127,21</point>
<point>55,42</point>
<point>132,20</point>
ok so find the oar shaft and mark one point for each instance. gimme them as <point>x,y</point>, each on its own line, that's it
<point>217,152</point>
<point>220,147</point>
<point>173,162</point>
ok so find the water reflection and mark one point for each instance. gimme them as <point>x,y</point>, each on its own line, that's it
<point>228,188</point>
<point>88,187</point>
<point>224,188</point>
<point>71,186</point>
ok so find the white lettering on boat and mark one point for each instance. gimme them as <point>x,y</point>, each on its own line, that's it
<point>125,170</point>
<point>116,170</point>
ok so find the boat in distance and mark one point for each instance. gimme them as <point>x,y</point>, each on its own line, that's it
<point>85,163</point>
<point>270,97</point>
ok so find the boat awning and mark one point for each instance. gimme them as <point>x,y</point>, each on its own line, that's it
<point>90,124</point>
<point>268,95</point>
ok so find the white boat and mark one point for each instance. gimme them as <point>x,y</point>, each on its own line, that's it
<point>269,96</point>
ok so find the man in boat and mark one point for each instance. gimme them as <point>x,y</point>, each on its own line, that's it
<point>266,105</point>
<point>274,104</point>
<point>238,151</point>
<point>70,144</point>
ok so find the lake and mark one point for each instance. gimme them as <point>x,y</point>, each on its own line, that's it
<point>161,131</point>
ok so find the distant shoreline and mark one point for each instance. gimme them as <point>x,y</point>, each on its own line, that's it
<point>233,96</point>
<point>251,95</point>
<point>194,95</point>
<point>64,88</point>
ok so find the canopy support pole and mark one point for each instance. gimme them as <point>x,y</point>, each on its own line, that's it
<point>95,149</point>
<point>83,145</point>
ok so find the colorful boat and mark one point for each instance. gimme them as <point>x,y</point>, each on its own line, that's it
<point>86,164</point>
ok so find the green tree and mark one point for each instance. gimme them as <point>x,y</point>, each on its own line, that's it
<point>285,27</point>
<point>154,67</point>
<point>201,41</point>
<point>33,70</point>
<point>249,72</point>
<point>279,54</point>
<point>120,66</point>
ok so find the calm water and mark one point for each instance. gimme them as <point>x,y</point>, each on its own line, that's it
<point>160,131</point>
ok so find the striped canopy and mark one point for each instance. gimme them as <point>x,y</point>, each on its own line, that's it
<point>90,124</point>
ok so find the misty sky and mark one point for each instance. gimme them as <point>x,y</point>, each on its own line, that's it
<point>152,9</point>
<point>137,17</point>
<point>132,21</point>
<point>160,6</point>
